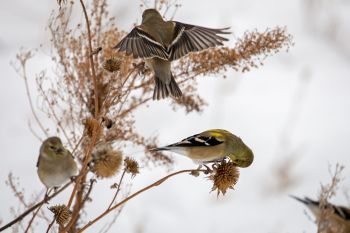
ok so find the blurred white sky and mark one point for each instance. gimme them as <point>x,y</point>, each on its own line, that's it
<point>311,83</point>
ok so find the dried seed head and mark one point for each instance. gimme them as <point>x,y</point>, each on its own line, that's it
<point>225,176</point>
<point>62,213</point>
<point>112,64</point>
<point>105,161</point>
<point>131,166</point>
<point>91,125</point>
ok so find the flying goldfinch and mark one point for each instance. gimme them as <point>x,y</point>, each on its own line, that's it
<point>213,145</point>
<point>55,164</point>
<point>337,222</point>
<point>159,42</point>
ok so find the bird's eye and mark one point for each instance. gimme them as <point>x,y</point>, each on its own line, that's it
<point>52,147</point>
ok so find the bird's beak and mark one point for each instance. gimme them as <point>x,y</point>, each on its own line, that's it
<point>59,150</point>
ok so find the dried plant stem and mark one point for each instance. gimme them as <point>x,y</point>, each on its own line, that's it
<point>29,97</point>
<point>25,213</point>
<point>82,176</point>
<point>77,207</point>
<point>32,219</point>
<point>91,58</point>
<point>158,182</point>
<point>51,224</point>
<point>118,189</point>
<point>53,113</point>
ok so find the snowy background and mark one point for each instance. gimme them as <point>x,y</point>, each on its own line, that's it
<point>293,112</point>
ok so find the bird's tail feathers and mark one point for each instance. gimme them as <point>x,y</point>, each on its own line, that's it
<point>174,88</point>
<point>306,200</point>
<point>162,90</point>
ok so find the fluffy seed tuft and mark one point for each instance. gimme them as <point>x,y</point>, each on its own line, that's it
<point>105,161</point>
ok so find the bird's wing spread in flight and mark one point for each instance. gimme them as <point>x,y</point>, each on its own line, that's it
<point>141,45</point>
<point>191,38</point>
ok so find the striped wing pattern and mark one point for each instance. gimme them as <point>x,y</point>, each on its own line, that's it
<point>187,38</point>
<point>141,45</point>
<point>197,140</point>
<point>191,38</point>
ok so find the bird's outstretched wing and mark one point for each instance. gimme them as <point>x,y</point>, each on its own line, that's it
<point>197,140</point>
<point>141,45</point>
<point>191,38</point>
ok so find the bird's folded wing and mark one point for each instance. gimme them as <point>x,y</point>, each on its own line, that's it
<point>197,140</point>
<point>191,38</point>
<point>141,45</point>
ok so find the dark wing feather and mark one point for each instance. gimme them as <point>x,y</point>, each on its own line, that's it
<point>141,45</point>
<point>191,38</point>
<point>197,140</point>
<point>338,210</point>
<point>37,163</point>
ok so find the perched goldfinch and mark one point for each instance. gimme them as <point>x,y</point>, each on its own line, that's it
<point>338,220</point>
<point>55,164</point>
<point>213,145</point>
<point>159,42</point>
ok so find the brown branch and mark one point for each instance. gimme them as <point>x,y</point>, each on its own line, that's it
<point>91,58</point>
<point>29,97</point>
<point>118,189</point>
<point>51,224</point>
<point>82,176</point>
<point>80,206</point>
<point>158,182</point>
<point>53,113</point>
<point>25,213</point>
<point>34,215</point>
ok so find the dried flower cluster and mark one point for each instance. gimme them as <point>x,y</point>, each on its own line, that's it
<point>112,64</point>
<point>225,176</point>
<point>326,223</point>
<point>131,166</point>
<point>105,161</point>
<point>62,213</point>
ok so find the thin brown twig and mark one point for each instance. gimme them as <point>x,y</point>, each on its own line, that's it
<point>51,224</point>
<point>94,136</point>
<point>91,58</point>
<point>118,189</point>
<point>87,195</point>
<point>53,113</point>
<point>158,182</point>
<point>32,219</point>
<point>107,226</point>
<point>25,213</point>
<point>81,204</point>
<point>77,145</point>
<point>29,97</point>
